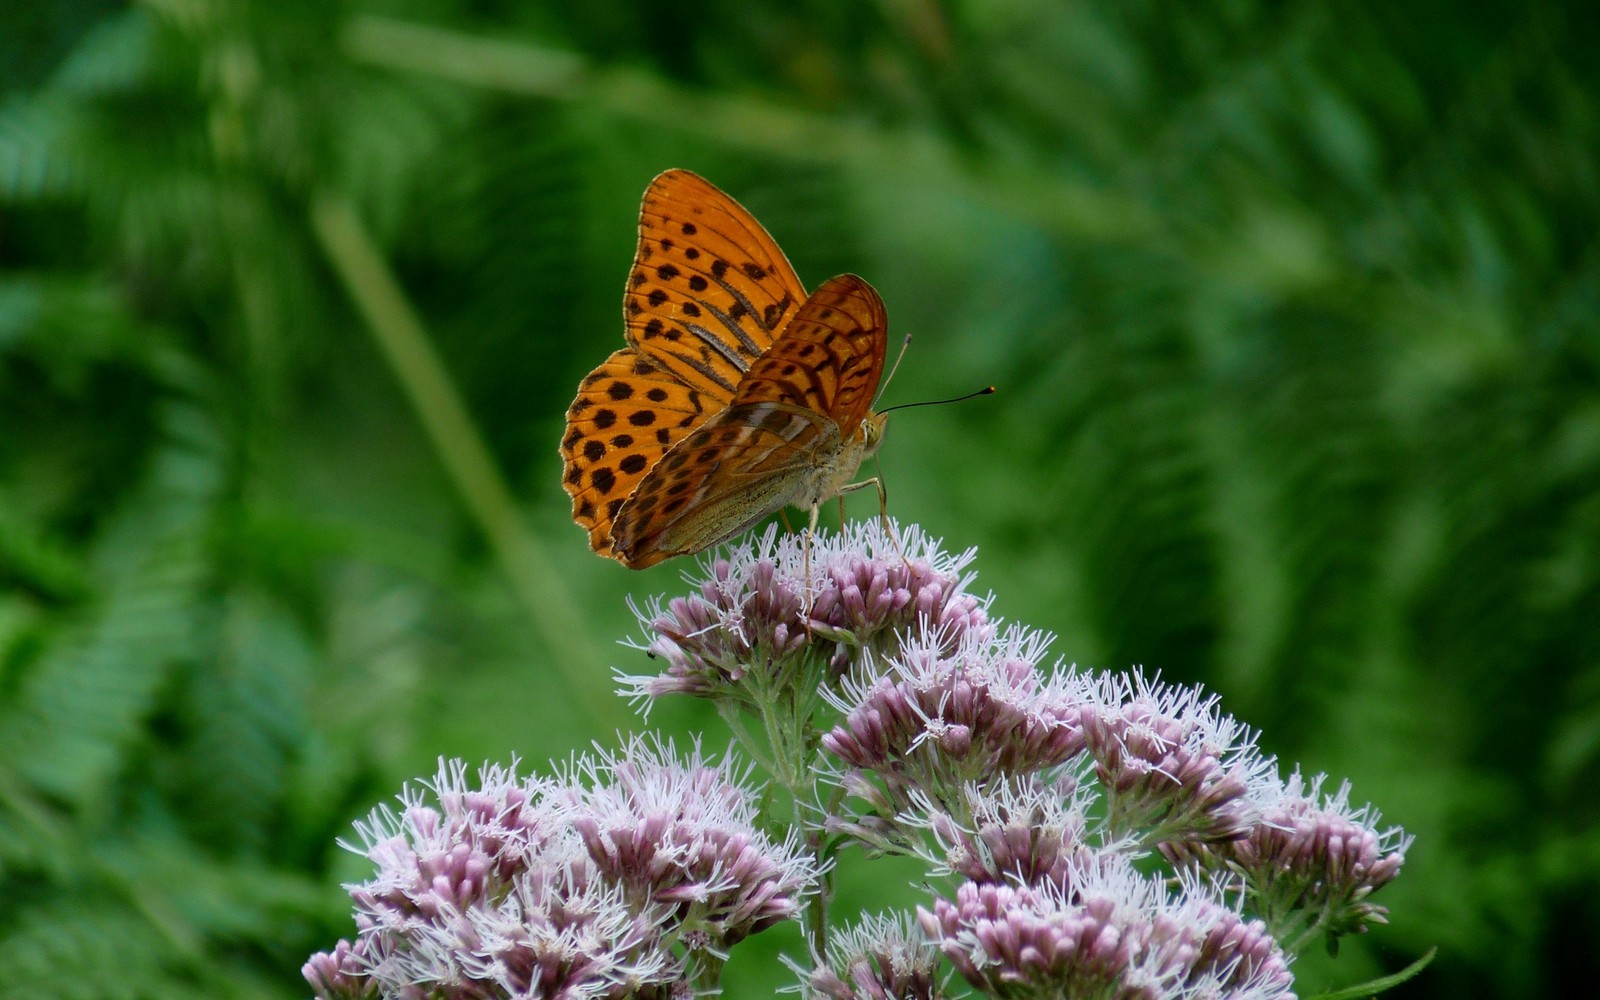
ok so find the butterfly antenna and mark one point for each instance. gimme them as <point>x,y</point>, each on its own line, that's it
<point>892,369</point>
<point>986,390</point>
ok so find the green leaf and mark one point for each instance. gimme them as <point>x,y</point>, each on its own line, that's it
<point>1375,986</point>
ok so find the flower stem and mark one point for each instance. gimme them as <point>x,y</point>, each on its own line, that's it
<point>817,912</point>
<point>706,974</point>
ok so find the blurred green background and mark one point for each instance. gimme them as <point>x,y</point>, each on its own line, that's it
<point>1294,309</point>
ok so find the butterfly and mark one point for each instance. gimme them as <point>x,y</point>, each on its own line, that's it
<point>738,394</point>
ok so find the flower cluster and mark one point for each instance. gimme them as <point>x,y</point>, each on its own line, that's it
<point>931,720</point>
<point>1310,861</point>
<point>1029,831</point>
<point>613,882</point>
<point>781,607</point>
<point>939,717</point>
<point>1101,835</point>
<point>1170,763</point>
<point>882,958</point>
<point>1105,932</point>
<point>686,836</point>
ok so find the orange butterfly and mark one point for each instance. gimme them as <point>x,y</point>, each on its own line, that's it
<point>737,395</point>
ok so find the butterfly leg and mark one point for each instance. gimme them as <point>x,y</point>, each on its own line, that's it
<point>805,561</point>
<point>883,509</point>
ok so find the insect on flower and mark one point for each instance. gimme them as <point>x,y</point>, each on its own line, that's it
<point>737,395</point>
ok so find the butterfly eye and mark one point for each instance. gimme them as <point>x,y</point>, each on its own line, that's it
<point>872,431</point>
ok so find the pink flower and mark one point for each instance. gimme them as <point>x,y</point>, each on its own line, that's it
<point>1172,765</point>
<point>882,958</point>
<point>799,610</point>
<point>1310,861</point>
<point>939,716</point>
<point>1106,933</point>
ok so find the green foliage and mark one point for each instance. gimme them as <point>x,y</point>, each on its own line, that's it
<point>1292,307</point>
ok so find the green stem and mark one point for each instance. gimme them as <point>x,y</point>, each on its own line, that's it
<point>404,343</point>
<point>1306,936</point>
<point>785,706</point>
<point>774,703</point>
<point>817,912</point>
<point>706,974</point>
<point>732,714</point>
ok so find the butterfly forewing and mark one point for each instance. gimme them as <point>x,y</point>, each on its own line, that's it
<point>627,414</point>
<point>830,356</point>
<point>709,289</point>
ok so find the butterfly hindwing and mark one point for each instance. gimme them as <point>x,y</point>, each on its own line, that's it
<point>829,358</point>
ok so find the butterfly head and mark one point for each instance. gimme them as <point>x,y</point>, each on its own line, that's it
<point>873,426</point>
